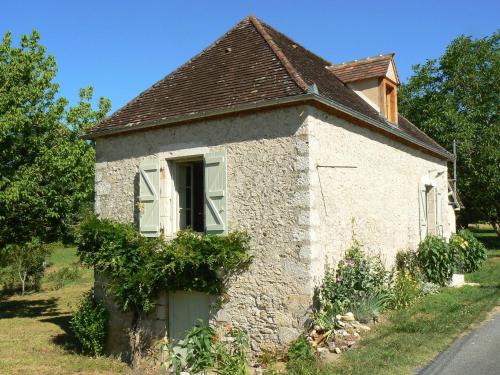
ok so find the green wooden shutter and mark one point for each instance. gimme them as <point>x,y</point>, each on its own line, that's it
<point>149,197</point>
<point>439,214</point>
<point>215,192</point>
<point>422,204</point>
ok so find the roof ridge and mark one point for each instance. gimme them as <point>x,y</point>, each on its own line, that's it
<point>366,59</point>
<point>279,54</point>
<point>138,97</point>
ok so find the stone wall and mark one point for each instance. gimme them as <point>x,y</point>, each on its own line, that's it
<point>268,196</point>
<point>303,183</point>
<point>365,188</point>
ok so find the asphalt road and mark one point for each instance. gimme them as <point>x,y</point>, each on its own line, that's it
<point>477,353</point>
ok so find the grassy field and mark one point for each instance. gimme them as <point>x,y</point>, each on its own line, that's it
<point>34,329</point>
<point>414,336</point>
<point>35,337</point>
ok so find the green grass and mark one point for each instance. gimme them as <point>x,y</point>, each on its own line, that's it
<point>35,337</point>
<point>488,236</point>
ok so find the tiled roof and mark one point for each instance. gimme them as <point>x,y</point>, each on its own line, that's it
<point>357,70</point>
<point>251,63</point>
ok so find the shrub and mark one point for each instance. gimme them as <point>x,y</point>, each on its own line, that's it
<point>205,349</point>
<point>436,260</point>
<point>369,307</point>
<point>405,291</point>
<point>429,288</point>
<point>470,252</point>
<point>232,352</point>
<point>300,351</point>
<point>137,267</point>
<point>89,324</point>
<point>407,260</point>
<point>63,275</point>
<point>199,343</point>
<point>357,276</point>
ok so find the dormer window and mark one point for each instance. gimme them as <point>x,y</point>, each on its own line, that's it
<point>391,102</point>
<point>375,79</point>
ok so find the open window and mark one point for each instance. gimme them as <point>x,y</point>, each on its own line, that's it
<point>183,193</point>
<point>189,186</point>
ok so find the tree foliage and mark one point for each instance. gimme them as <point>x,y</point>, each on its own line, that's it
<point>46,169</point>
<point>457,97</point>
<point>26,262</point>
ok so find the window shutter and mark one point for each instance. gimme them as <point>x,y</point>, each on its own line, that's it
<point>422,203</point>
<point>439,213</point>
<point>149,197</point>
<point>215,192</point>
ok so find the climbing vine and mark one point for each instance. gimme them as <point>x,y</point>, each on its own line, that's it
<point>137,267</point>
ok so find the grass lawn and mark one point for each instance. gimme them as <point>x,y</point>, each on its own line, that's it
<point>34,329</point>
<point>414,336</point>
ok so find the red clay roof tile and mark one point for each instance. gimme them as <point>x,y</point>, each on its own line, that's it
<point>357,70</point>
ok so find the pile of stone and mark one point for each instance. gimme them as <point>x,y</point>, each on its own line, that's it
<point>342,337</point>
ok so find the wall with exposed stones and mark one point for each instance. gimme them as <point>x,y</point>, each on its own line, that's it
<point>303,183</point>
<point>268,196</point>
<point>365,188</point>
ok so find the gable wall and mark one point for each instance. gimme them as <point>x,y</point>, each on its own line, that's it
<point>268,196</point>
<point>374,199</point>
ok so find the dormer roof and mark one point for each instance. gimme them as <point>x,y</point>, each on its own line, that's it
<point>371,67</point>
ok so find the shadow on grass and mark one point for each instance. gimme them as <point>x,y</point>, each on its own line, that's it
<point>66,340</point>
<point>488,237</point>
<point>28,308</point>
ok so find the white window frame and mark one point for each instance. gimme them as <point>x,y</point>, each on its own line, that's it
<point>169,204</point>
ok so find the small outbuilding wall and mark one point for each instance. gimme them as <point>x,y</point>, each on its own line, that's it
<point>267,195</point>
<point>302,182</point>
<point>366,189</point>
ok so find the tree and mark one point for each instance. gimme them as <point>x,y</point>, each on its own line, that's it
<point>46,168</point>
<point>458,97</point>
<point>27,261</point>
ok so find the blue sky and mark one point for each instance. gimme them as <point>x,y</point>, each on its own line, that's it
<point>122,47</point>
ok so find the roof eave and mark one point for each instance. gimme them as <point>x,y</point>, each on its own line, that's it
<point>267,104</point>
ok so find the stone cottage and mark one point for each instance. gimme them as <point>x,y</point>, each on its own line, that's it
<point>257,133</point>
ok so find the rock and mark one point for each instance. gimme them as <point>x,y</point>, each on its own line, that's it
<point>337,350</point>
<point>322,352</point>
<point>349,317</point>
<point>363,327</point>
<point>350,343</point>
<point>338,317</point>
<point>340,323</point>
<point>332,346</point>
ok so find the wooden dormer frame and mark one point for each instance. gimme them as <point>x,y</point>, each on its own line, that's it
<point>388,99</point>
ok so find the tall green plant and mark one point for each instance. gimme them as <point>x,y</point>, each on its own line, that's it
<point>470,252</point>
<point>436,259</point>
<point>357,277</point>
<point>89,324</point>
